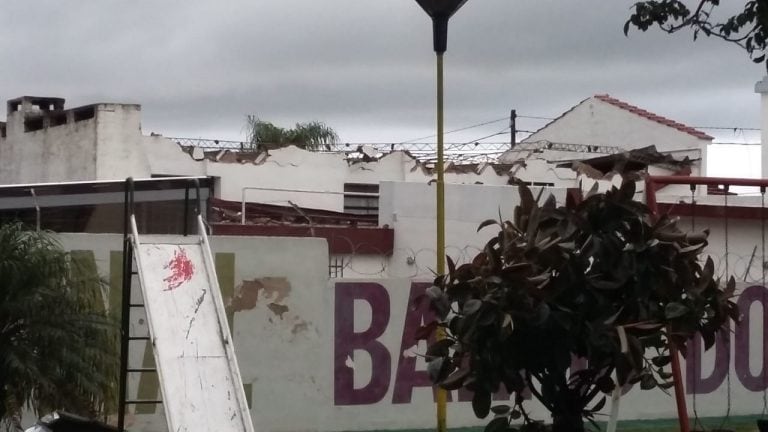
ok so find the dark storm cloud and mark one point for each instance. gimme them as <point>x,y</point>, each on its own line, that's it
<point>363,66</point>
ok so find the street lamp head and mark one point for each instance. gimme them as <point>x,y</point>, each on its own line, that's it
<point>441,8</point>
<point>440,11</point>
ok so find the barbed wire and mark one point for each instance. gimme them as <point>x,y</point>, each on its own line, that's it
<point>413,147</point>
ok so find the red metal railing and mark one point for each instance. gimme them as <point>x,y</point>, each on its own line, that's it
<point>654,184</point>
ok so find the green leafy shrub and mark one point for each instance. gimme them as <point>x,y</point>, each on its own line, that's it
<point>556,284</point>
<point>58,347</point>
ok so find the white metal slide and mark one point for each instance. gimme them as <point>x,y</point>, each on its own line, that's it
<point>199,378</point>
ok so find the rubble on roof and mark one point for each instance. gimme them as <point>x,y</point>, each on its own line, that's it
<point>223,211</point>
<point>627,162</point>
<point>361,156</point>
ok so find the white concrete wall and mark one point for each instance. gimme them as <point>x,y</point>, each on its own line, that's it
<point>297,367</point>
<point>166,158</point>
<point>284,358</point>
<point>119,149</point>
<point>105,147</point>
<point>286,168</point>
<point>293,169</point>
<point>598,123</point>
<point>409,208</point>
<point>595,122</point>
<point>66,152</point>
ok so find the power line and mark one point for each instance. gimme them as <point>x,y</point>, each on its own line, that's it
<point>503,131</point>
<point>734,128</point>
<point>535,117</point>
<point>457,130</point>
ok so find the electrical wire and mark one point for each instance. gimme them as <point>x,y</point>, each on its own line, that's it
<point>535,117</point>
<point>503,131</point>
<point>734,128</point>
<point>457,130</point>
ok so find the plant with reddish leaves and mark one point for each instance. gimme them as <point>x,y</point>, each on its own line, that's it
<point>558,283</point>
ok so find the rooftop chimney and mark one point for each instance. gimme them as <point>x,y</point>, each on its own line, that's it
<point>35,104</point>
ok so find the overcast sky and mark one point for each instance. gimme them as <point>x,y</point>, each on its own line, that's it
<point>365,67</point>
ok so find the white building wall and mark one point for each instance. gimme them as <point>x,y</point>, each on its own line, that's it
<point>60,153</point>
<point>291,360</point>
<point>288,168</point>
<point>104,147</point>
<point>165,158</point>
<point>595,122</point>
<point>409,208</point>
<point>119,149</point>
<point>316,180</point>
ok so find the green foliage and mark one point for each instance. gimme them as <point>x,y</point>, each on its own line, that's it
<point>557,284</point>
<point>58,348</point>
<point>748,28</point>
<point>310,136</point>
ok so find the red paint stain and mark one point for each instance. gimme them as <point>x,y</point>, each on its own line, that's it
<point>181,270</point>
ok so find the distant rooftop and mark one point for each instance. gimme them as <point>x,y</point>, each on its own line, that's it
<point>653,117</point>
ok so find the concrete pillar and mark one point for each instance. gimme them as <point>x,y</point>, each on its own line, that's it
<point>762,88</point>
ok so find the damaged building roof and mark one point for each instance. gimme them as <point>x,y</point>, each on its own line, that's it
<point>427,166</point>
<point>223,211</point>
<point>626,162</point>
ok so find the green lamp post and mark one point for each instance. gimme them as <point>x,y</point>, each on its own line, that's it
<point>440,11</point>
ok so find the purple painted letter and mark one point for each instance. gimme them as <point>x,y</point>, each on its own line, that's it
<point>751,382</point>
<point>407,376</point>
<point>346,341</point>
<point>695,383</point>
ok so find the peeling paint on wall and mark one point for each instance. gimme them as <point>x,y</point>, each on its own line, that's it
<point>246,295</point>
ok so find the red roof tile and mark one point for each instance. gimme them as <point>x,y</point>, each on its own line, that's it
<point>653,117</point>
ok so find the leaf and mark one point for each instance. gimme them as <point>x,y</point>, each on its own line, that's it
<point>439,302</point>
<point>508,322</point>
<point>439,368</point>
<point>592,191</point>
<point>456,380</point>
<point>599,405</point>
<point>661,361</point>
<point>487,222</point>
<point>675,310</point>
<point>613,317</point>
<point>424,332</point>
<point>451,265</point>
<point>647,381</point>
<point>472,306</point>
<point>481,401</point>
<point>500,409</point>
<point>627,191</point>
<point>497,425</point>
<point>434,292</point>
<point>550,204</point>
<point>542,313</point>
<point>666,385</point>
<point>439,348</point>
<point>605,284</point>
<point>605,384</point>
